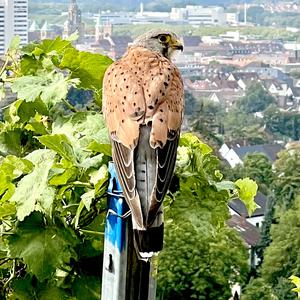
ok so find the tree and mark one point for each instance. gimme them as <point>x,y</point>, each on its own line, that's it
<point>282,124</point>
<point>256,166</point>
<point>280,239</point>
<point>209,255</point>
<point>256,15</point>
<point>207,121</point>
<point>281,259</point>
<point>286,184</point>
<point>256,99</point>
<point>245,128</point>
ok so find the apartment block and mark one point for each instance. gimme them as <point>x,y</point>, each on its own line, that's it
<point>13,21</point>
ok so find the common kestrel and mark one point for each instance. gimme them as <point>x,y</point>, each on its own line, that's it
<point>143,106</point>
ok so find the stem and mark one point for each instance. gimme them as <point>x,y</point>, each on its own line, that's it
<point>4,66</point>
<point>12,275</point>
<point>92,232</point>
<point>5,261</point>
<point>69,105</point>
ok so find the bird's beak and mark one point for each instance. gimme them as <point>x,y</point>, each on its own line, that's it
<point>176,45</point>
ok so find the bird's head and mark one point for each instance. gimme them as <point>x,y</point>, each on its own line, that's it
<point>164,42</point>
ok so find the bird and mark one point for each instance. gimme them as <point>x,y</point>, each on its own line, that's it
<point>143,104</point>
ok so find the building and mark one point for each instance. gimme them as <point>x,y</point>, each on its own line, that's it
<point>235,155</point>
<point>13,21</point>
<point>199,15</point>
<point>74,23</point>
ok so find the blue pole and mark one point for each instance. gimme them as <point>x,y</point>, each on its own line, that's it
<point>115,242</point>
<point>124,276</point>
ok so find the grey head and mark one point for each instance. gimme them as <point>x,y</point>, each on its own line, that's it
<point>159,40</point>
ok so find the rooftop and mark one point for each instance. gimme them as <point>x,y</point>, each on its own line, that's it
<point>239,207</point>
<point>268,149</point>
<point>248,232</point>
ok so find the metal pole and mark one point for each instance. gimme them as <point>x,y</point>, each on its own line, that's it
<point>124,276</point>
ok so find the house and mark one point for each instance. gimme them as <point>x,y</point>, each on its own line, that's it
<point>235,155</point>
<point>237,207</point>
<point>248,226</point>
<point>265,71</point>
<point>191,43</point>
<point>244,79</point>
<point>250,235</point>
<point>113,46</point>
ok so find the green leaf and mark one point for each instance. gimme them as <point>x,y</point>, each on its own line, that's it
<point>10,142</point>
<point>51,293</point>
<point>94,162</point>
<point>225,185</point>
<point>7,209</point>
<point>50,87</point>
<point>247,189</point>
<point>100,148</point>
<point>296,281</point>
<point>88,67</point>
<point>22,111</point>
<point>81,129</point>
<point>65,177</point>
<point>15,166</point>
<point>98,178</point>
<point>60,144</point>
<point>15,43</point>
<point>52,46</point>
<point>190,140</point>
<point>33,192</point>
<point>43,248</point>
<point>87,198</point>
<point>87,287</point>
<point>5,182</point>
<point>22,289</point>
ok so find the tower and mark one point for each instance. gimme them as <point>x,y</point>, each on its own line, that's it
<point>74,22</point>
<point>103,29</point>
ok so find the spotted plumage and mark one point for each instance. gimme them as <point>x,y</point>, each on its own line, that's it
<point>143,106</point>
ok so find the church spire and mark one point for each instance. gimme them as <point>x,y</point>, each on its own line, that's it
<point>74,22</point>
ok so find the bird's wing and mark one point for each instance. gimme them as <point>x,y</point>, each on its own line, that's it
<point>143,89</point>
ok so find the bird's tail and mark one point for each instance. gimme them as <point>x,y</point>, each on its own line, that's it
<point>150,240</point>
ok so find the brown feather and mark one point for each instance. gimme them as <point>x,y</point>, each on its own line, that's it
<point>143,88</point>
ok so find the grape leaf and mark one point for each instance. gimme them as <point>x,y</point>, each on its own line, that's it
<point>43,248</point>
<point>52,46</point>
<point>88,67</point>
<point>87,287</point>
<point>22,111</point>
<point>81,129</point>
<point>225,185</point>
<point>33,189</point>
<point>14,166</point>
<point>247,189</point>
<point>60,144</point>
<point>10,142</point>
<point>7,209</point>
<point>51,87</point>
<point>296,281</point>
<point>190,140</point>
<point>14,43</point>
<point>64,177</point>
<point>98,147</point>
<point>94,161</point>
<point>87,198</point>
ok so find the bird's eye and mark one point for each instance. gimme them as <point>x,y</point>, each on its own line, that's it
<point>164,38</point>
